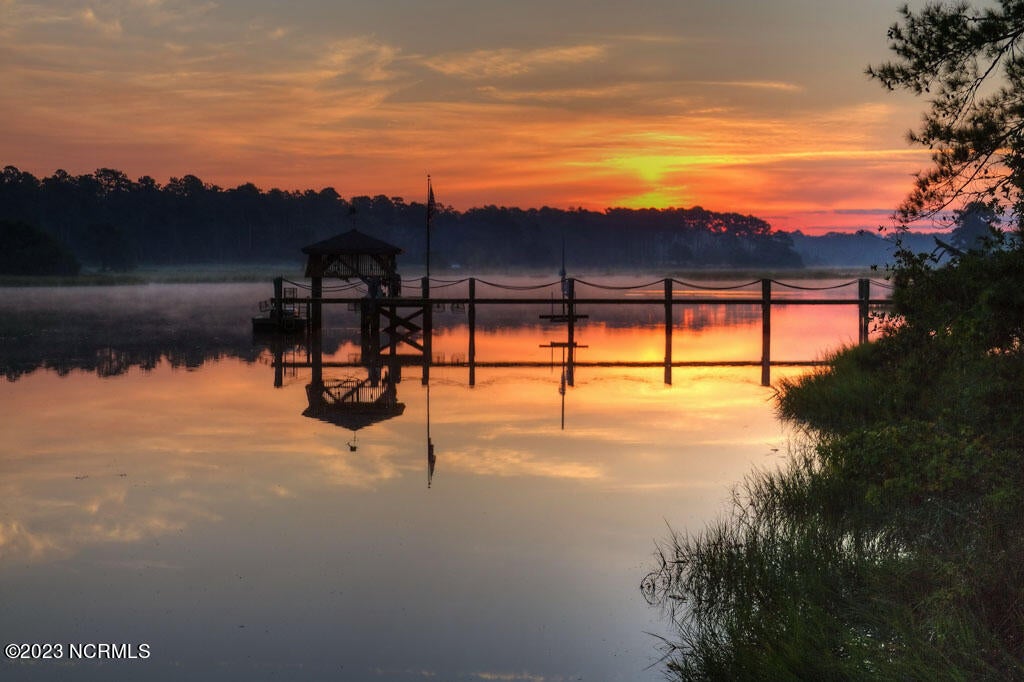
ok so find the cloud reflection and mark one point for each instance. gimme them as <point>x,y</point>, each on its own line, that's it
<point>508,463</point>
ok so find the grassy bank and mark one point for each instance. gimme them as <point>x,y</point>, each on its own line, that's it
<point>890,547</point>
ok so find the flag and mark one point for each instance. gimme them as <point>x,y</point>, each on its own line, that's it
<point>431,461</point>
<point>431,204</point>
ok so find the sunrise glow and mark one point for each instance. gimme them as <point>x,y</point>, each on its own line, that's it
<point>673,105</point>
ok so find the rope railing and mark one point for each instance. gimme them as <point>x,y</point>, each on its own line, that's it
<point>449,281</point>
<point>610,287</point>
<point>707,287</point>
<point>328,288</point>
<point>435,283</point>
<point>519,287</point>
<point>448,284</point>
<point>803,288</point>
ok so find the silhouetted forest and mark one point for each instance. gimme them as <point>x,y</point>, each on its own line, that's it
<point>109,221</point>
<point>861,248</point>
<point>27,250</point>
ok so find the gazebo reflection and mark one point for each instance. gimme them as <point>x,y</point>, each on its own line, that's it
<point>354,402</point>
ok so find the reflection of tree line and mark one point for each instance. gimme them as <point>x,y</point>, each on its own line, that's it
<point>110,345</point>
<point>687,317</point>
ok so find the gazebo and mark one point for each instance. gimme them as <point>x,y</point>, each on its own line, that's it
<point>355,255</point>
<point>347,256</point>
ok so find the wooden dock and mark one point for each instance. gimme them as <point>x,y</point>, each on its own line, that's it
<point>407,321</point>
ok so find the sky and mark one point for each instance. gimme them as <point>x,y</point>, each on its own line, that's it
<point>734,105</point>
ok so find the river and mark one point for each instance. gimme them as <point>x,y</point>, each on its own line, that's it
<point>158,489</point>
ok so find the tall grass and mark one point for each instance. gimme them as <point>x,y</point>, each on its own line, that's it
<point>891,547</point>
<point>819,571</point>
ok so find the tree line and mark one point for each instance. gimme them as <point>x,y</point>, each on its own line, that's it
<point>113,222</point>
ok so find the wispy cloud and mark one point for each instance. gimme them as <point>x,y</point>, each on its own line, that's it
<point>110,28</point>
<point>362,58</point>
<point>653,38</point>
<point>562,95</point>
<point>180,16</point>
<point>780,86</point>
<point>506,62</point>
<point>864,211</point>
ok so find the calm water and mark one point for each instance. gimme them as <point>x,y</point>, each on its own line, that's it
<point>156,488</point>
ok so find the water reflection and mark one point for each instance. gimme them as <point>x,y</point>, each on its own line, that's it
<point>201,512</point>
<point>109,330</point>
<point>236,511</point>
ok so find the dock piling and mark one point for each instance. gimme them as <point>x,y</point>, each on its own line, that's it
<point>315,331</point>
<point>766,332</point>
<point>277,305</point>
<point>668,331</point>
<point>471,313</point>
<point>864,296</point>
<point>570,304</point>
<point>428,329</point>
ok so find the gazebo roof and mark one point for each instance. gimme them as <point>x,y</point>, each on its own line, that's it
<point>351,243</point>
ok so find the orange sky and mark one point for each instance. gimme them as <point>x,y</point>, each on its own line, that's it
<point>741,106</point>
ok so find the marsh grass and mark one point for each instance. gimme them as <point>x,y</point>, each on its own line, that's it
<point>811,575</point>
<point>891,546</point>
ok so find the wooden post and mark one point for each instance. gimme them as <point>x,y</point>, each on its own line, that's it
<point>570,306</point>
<point>364,329</point>
<point>316,293</point>
<point>472,331</point>
<point>375,328</point>
<point>428,319</point>
<point>278,364</point>
<point>316,329</point>
<point>864,294</point>
<point>766,332</point>
<point>369,324</point>
<point>374,293</point>
<point>277,306</point>
<point>393,323</point>
<point>668,331</point>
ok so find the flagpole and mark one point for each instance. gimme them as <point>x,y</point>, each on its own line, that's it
<point>431,207</point>
<point>431,458</point>
<point>430,217</point>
